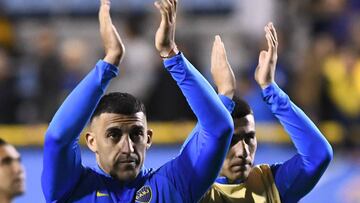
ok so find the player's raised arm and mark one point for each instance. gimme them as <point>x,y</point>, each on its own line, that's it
<point>221,71</point>
<point>265,71</point>
<point>62,167</point>
<point>114,48</point>
<point>216,126</point>
<point>297,176</point>
<point>165,34</point>
<point>224,79</point>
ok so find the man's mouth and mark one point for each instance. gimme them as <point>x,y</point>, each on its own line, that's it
<point>241,167</point>
<point>18,181</point>
<point>128,162</point>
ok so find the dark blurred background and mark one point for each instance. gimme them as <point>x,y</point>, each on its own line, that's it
<point>47,46</point>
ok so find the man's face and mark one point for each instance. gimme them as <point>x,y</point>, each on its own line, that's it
<point>12,174</point>
<point>240,158</point>
<point>120,143</point>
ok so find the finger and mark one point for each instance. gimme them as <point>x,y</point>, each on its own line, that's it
<point>215,50</point>
<point>175,2</point>
<point>273,30</point>
<point>269,40</point>
<point>173,8</point>
<point>104,15</point>
<point>268,31</point>
<point>160,7</point>
<point>168,9</point>
<point>215,45</point>
<point>270,46</point>
<point>105,2</point>
<point>117,34</point>
<point>223,51</point>
<point>273,38</point>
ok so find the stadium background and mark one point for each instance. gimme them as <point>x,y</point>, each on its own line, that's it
<point>47,46</point>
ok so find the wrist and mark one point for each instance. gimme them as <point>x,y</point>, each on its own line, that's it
<point>169,53</point>
<point>228,93</point>
<point>265,85</point>
<point>113,58</point>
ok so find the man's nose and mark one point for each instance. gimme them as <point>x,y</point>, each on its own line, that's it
<point>126,144</point>
<point>243,150</point>
<point>18,167</point>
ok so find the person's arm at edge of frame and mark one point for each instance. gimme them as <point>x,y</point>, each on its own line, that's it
<point>296,177</point>
<point>62,161</point>
<point>224,80</point>
<point>215,121</point>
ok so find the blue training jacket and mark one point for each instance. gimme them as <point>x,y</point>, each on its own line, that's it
<point>183,179</point>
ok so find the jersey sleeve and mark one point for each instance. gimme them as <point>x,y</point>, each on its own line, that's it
<point>194,170</point>
<point>297,176</point>
<point>229,105</point>
<point>62,166</point>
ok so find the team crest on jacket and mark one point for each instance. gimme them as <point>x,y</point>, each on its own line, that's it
<point>143,195</point>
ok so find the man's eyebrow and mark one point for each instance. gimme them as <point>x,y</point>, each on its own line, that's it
<point>9,158</point>
<point>137,127</point>
<point>113,128</point>
<point>248,134</point>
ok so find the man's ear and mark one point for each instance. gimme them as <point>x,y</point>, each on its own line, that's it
<point>149,138</point>
<point>91,141</point>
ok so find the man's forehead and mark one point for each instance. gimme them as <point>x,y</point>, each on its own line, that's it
<point>8,151</point>
<point>111,119</point>
<point>245,124</point>
<point>244,121</point>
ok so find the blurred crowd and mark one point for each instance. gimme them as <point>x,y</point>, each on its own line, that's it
<point>42,58</point>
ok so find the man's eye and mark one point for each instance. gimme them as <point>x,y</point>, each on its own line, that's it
<point>136,135</point>
<point>114,135</point>
<point>140,132</point>
<point>137,132</point>
<point>6,161</point>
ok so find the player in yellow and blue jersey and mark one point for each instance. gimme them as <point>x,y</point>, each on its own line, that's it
<point>241,181</point>
<point>119,136</point>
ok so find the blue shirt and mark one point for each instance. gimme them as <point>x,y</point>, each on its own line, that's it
<point>183,179</point>
<point>297,176</point>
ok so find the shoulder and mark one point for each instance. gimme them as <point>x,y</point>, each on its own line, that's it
<point>260,174</point>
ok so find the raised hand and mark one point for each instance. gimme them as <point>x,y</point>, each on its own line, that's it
<point>265,71</point>
<point>114,48</point>
<point>221,71</point>
<point>165,35</point>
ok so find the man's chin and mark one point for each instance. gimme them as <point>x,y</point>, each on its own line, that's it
<point>18,192</point>
<point>126,176</point>
<point>241,175</point>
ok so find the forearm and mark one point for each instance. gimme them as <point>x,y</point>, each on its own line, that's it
<point>229,105</point>
<point>76,110</point>
<point>62,162</point>
<point>300,174</point>
<point>209,141</point>
<point>201,97</point>
<point>307,138</point>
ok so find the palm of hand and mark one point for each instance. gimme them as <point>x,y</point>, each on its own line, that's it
<point>265,71</point>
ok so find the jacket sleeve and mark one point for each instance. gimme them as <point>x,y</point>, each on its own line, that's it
<point>297,176</point>
<point>197,166</point>
<point>62,166</point>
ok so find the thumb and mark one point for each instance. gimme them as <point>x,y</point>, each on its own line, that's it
<point>262,56</point>
<point>160,7</point>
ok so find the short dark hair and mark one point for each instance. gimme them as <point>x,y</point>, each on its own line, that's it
<point>119,103</point>
<point>2,142</point>
<point>241,109</point>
